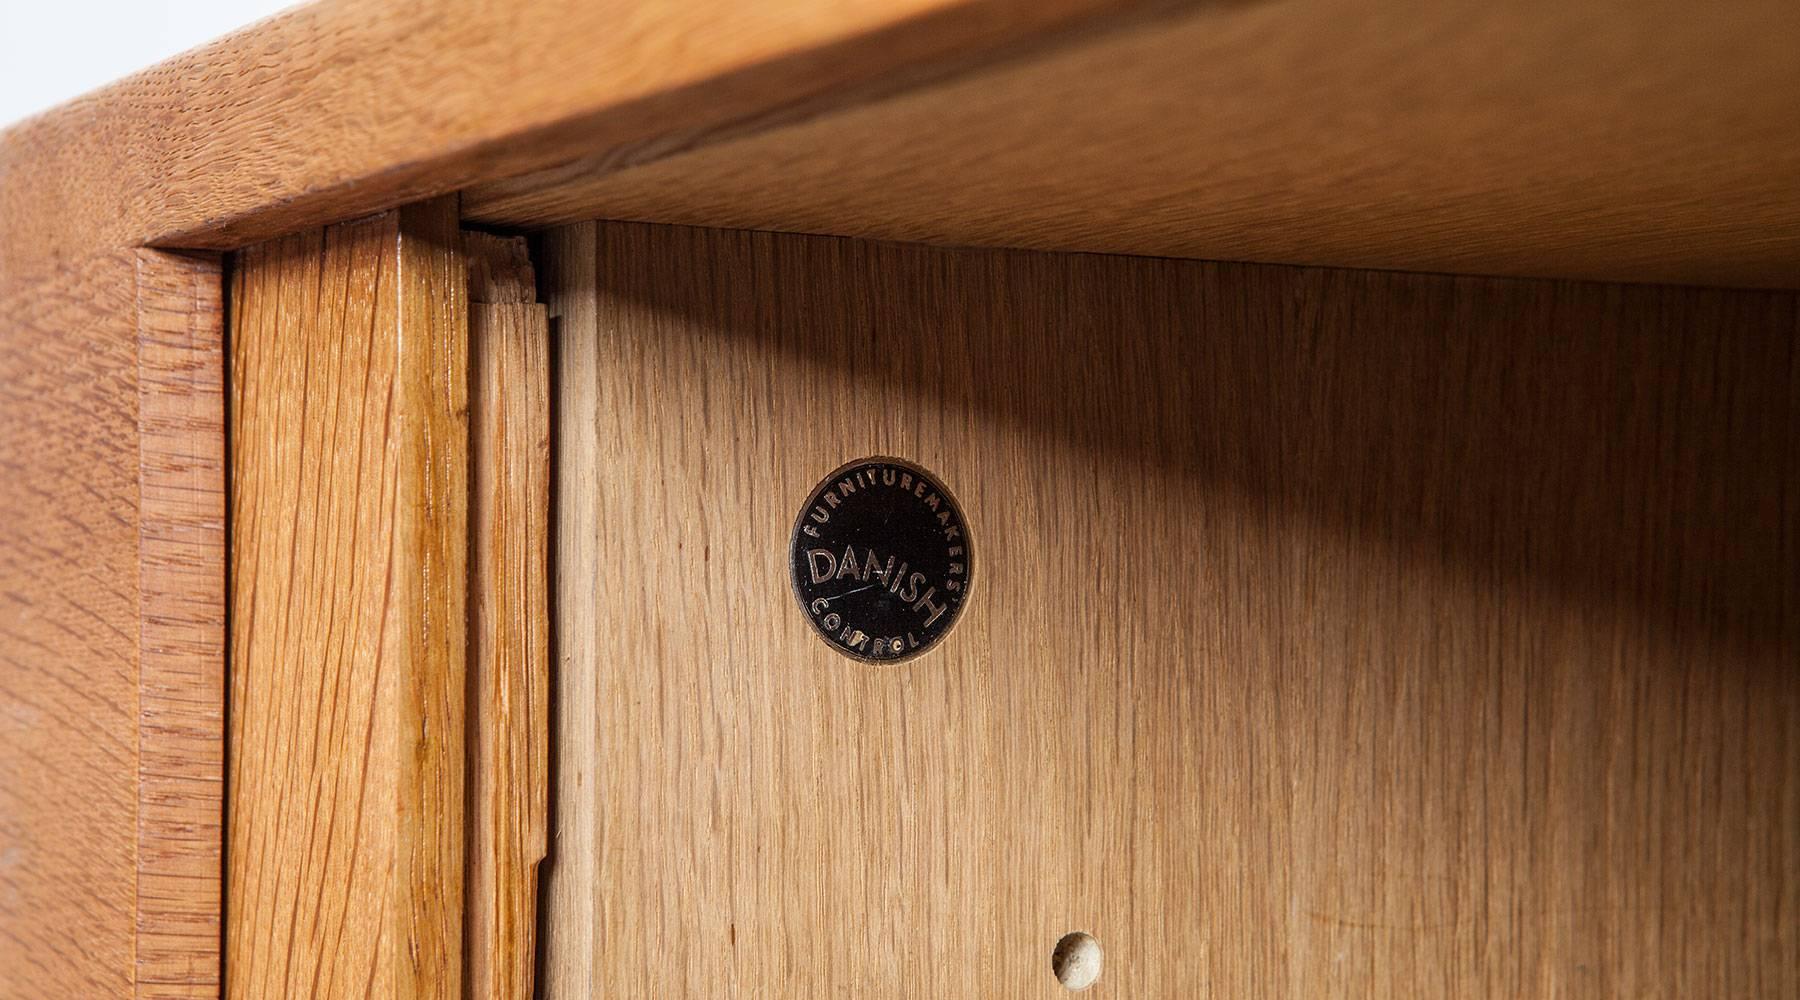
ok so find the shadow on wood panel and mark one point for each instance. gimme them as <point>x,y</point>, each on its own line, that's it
<point>1632,447</point>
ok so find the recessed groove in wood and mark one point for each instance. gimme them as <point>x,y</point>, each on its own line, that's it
<point>1339,634</point>
<point>508,683</point>
<point>349,542</point>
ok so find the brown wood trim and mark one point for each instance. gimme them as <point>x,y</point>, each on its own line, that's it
<point>509,669</point>
<point>1638,140</point>
<point>349,540</point>
<point>181,624</point>
<point>1629,140</point>
<point>344,107</point>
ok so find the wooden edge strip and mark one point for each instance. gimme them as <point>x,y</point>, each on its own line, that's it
<point>434,347</point>
<point>181,624</point>
<point>349,547</point>
<point>508,674</point>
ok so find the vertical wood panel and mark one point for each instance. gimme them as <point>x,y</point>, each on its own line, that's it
<point>573,889</point>
<point>111,610</point>
<point>181,631</point>
<point>349,541</point>
<point>69,631</point>
<point>1339,633</point>
<point>509,405</point>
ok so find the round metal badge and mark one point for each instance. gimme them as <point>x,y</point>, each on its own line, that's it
<point>881,560</point>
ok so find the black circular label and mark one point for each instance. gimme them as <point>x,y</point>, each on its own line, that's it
<point>880,559</point>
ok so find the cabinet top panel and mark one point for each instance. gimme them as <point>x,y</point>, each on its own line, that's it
<point>1635,140</point>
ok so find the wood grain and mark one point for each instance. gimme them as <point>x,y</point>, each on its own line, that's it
<point>344,107</point>
<point>1340,633</point>
<point>69,632</point>
<point>181,624</point>
<point>509,627</point>
<point>1619,139</point>
<point>111,719</point>
<point>500,270</point>
<point>349,424</point>
<point>1644,141</point>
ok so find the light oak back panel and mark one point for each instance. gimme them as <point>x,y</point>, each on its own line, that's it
<point>1333,634</point>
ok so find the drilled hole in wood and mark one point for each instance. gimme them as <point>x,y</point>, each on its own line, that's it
<point>1076,960</point>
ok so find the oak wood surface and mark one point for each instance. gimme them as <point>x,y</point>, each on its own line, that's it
<point>1643,141</point>
<point>1617,139</point>
<point>339,108</point>
<point>181,632</point>
<point>1339,633</point>
<point>349,429</point>
<point>509,628</point>
<point>69,634</point>
<point>110,725</point>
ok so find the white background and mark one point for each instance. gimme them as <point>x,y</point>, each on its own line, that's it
<point>52,50</point>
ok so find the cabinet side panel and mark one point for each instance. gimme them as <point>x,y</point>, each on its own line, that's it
<point>68,632</point>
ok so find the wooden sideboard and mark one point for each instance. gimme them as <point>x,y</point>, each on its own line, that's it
<point>1377,427</point>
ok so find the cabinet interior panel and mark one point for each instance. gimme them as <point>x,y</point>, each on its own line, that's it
<point>1332,633</point>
